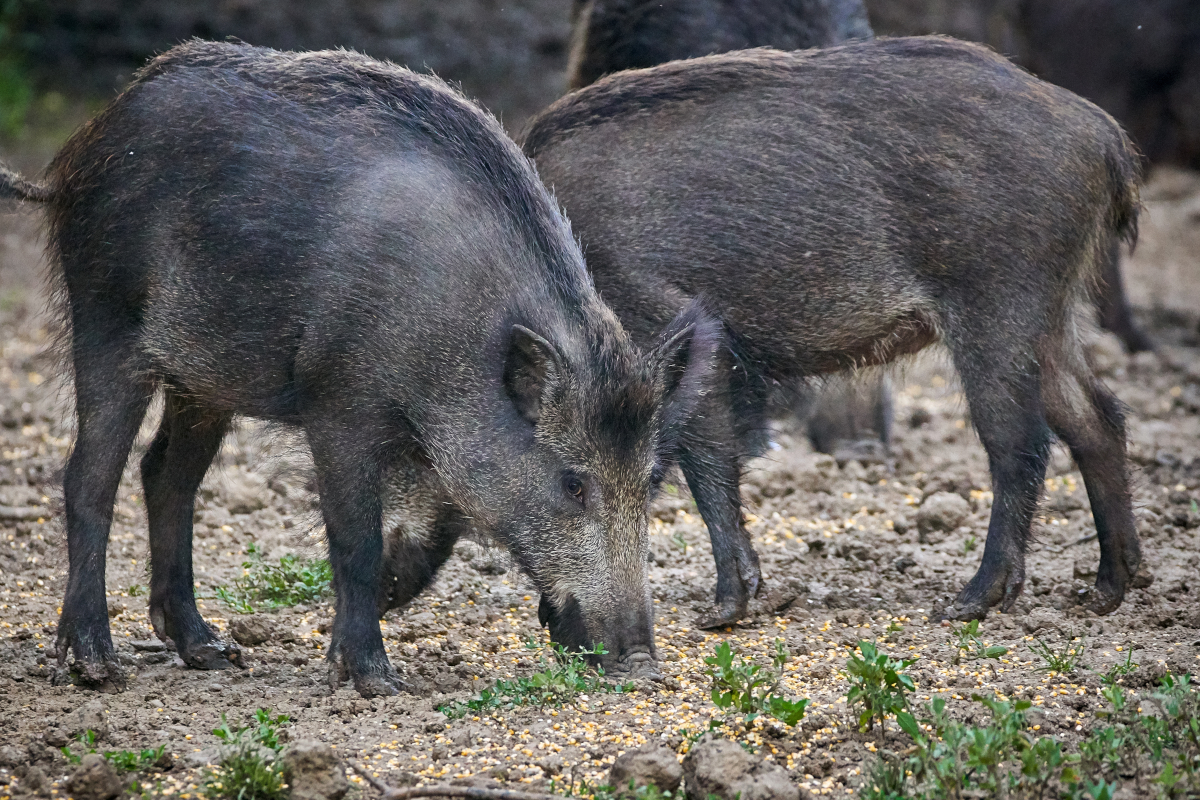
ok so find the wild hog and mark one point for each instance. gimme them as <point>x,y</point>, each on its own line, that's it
<point>611,35</point>
<point>846,207</point>
<point>342,245</point>
<point>842,418</point>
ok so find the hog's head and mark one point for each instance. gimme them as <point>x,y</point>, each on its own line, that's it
<point>602,423</point>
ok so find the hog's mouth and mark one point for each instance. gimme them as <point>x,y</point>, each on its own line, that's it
<point>567,628</point>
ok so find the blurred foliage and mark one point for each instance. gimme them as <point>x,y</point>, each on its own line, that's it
<point>16,87</point>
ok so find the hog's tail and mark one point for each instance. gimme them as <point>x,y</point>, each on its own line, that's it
<point>1125,178</point>
<point>14,187</point>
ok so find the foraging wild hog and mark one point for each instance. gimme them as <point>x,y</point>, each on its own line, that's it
<point>342,245</point>
<point>848,206</point>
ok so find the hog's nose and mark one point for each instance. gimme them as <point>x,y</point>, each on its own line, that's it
<point>639,664</point>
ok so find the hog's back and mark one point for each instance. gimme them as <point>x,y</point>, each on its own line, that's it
<point>287,226</point>
<point>827,202</point>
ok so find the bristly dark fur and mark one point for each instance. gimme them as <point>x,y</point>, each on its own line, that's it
<point>612,35</point>
<point>346,246</point>
<point>845,207</point>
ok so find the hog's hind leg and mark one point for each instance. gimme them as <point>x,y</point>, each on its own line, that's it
<point>172,468</point>
<point>724,430</point>
<point>1088,419</point>
<point>1002,383</point>
<point>350,481</point>
<point>111,397</point>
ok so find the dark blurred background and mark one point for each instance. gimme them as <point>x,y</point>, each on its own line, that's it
<point>60,60</point>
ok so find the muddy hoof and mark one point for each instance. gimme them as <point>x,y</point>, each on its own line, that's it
<point>964,612</point>
<point>379,685</point>
<point>723,616</point>
<point>213,654</point>
<point>1103,602</point>
<point>102,676</point>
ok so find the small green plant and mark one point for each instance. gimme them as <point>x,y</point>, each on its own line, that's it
<point>1155,754</point>
<point>969,545</point>
<point>953,760</point>
<point>562,678</point>
<point>246,772</point>
<point>1120,670</point>
<point>122,760</point>
<point>1062,661</point>
<point>878,686</point>
<point>969,646</point>
<point>744,687</point>
<point>137,590</point>
<point>678,540</point>
<point>290,582</point>
<point>605,792</point>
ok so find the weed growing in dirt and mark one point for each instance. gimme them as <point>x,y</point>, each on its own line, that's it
<point>969,545</point>
<point>246,771</point>
<point>678,540</point>
<point>1118,671</point>
<point>1062,661</point>
<point>1159,752</point>
<point>563,677</point>
<point>290,582</point>
<point>969,646</point>
<point>584,789</point>
<point>878,686</point>
<point>743,687</point>
<point>122,760</point>
<point>137,590</point>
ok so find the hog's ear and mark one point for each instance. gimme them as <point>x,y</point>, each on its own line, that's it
<point>532,367</point>
<point>685,358</point>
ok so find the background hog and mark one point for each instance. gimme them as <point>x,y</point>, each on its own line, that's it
<point>612,35</point>
<point>849,206</point>
<point>342,245</point>
<point>844,419</point>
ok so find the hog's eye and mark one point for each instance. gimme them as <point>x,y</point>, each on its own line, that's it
<point>573,486</point>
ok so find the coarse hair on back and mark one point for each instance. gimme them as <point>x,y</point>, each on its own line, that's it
<point>340,81</point>
<point>706,78</point>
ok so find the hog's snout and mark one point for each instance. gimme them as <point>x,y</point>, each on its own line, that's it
<point>637,664</point>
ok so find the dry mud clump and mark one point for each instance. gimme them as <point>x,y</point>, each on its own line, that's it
<point>849,552</point>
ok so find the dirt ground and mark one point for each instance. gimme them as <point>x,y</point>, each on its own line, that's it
<point>843,558</point>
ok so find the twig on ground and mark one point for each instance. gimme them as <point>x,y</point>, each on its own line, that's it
<point>476,792</point>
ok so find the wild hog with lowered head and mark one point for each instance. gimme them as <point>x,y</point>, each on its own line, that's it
<point>339,244</point>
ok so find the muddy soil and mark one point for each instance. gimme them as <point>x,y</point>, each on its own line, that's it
<point>847,551</point>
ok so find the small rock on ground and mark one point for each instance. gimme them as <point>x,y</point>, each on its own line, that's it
<point>88,717</point>
<point>941,513</point>
<point>250,631</point>
<point>94,779</point>
<point>721,768</point>
<point>649,765</point>
<point>313,771</point>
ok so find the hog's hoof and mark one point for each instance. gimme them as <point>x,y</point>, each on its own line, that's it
<point>382,681</point>
<point>984,592</point>
<point>376,684</point>
<point>104,675</point>
<point>212,654</point>
<point>726,614</point>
